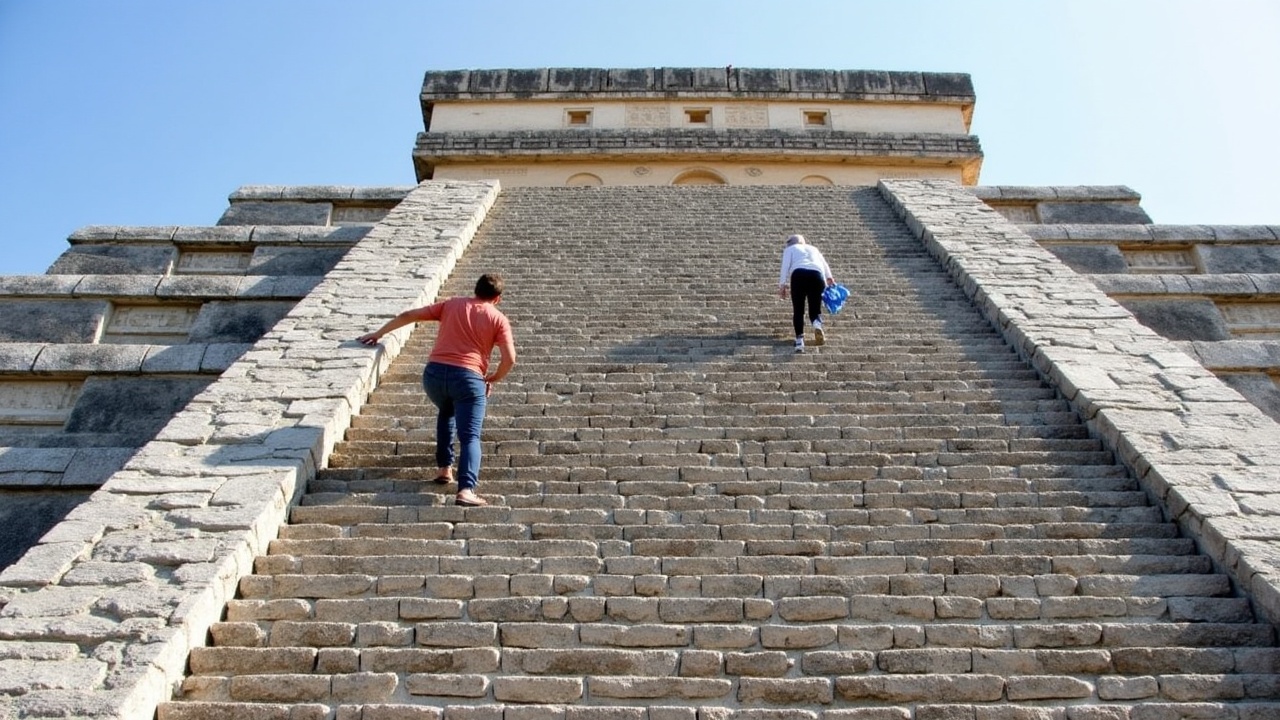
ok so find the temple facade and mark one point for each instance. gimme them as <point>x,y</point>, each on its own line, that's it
<point>681,126</point>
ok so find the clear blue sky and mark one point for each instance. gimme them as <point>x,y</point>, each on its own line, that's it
<point>151,112</point>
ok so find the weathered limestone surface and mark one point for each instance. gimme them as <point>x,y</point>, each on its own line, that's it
<point>1208,455</point>
<point>628,82</point>
<point>98,619</point>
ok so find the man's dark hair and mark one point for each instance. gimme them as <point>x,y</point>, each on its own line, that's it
<point>489,286</point>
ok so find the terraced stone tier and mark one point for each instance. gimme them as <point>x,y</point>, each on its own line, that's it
<point>691,522</point>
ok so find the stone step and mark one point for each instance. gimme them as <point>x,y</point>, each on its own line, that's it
<point>551,481</point>
<point>373,628</point>
<point>739,538</point>
<point>703,447</point>
<point>651,707</point>
<point>704,569</point>
<point>1026,434</point>
<point>641,495</point>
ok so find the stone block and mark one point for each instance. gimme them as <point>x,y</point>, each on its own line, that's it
<point>487,81</point>
<point>761,80</point>
<point>1244,233</point>
<point>220,356</point>
<point>688,78</point>
<point>310,261</point>
<point>92,466</point>
<point>1091,259</point>
<point>135,407</point>
<point>457,634</point>
<point>633,636</point>
<point>19,677</point>
<point>289,287</point>
<point>389,194</point>
<point>926,660</point>
<point>537,689</point>
<point>786,691</point>
<point>1240,258</point>
<point>238,634</point>
<point>468,686</point>
<point>525,82</point>
<point>283,688</point>
<point>1092,213</point>
<point>813,609</point>
<point>1095,192</point>
<point>236,322</point>
<point>788,637</point>
<point>174,359</point>
<point>653,663</point>
<point>312,634</point>
<point>865,82</point>
<point>114,260</point>
<point>948,84</point>
<point>844,662</point>
<point>1180,319</point>
<point>631,79</point>
<point>50,321</point>
<point>812,81</point>
<point>363,687</point>
<point>27,516</point>
<point>188,287</point>
<point>225,660</point>
<point>210,235</point>
<point>921,688</point>
<point>447,82</point>
<point>907,83</point>
<point>19,357</point>
<point>757,664</point>
<point>655,688</point>
<point>253,212</point>
<point>575,80</point>
<point>1046,687</point>
<point>1258,388</point>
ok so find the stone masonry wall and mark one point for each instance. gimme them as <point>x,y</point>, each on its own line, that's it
<point>99,617</point>
<point>1207,454</point>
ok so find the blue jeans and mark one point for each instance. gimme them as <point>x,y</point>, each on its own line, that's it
<point>459,395</point>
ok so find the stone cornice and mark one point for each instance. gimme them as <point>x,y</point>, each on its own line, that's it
<point>916,148</point>
<point>617,83</point>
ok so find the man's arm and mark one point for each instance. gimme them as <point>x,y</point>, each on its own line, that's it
<point>408,317</point>
<point>507,350</point>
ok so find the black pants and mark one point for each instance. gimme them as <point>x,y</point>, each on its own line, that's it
<point>806,286</point>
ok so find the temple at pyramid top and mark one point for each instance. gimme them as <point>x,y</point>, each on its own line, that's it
<point>679,126</point>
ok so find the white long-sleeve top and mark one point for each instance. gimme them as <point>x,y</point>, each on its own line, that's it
<point>802,256</point>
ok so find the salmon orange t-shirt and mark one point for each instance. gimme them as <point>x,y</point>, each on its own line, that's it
<point>469,330</point>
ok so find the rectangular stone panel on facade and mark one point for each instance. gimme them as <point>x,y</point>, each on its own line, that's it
<point>746,116</point>
<point>1178,261</point>
<point>37,402</point>
<point>230,262</point>
<point>1021,214</point>
<point>344,215</point>
<point>1254,320</point>
<point>159,324</point>
<point>648,116</point>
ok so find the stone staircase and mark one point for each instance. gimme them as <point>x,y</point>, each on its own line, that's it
<point>690,521</point>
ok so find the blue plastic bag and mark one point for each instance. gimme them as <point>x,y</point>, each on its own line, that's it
<point>833,297</point>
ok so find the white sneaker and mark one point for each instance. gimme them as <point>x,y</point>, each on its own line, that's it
<point>799,343</point>
<point>819,337</point>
